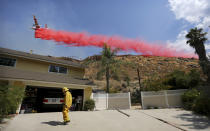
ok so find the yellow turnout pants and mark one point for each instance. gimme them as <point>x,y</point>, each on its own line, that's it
<point>65,114</point>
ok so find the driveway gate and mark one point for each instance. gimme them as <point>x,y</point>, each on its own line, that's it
<point>111,101</point>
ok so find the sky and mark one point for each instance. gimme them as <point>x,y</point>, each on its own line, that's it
<point>156,21</point>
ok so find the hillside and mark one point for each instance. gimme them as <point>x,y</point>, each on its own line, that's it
<point>149,66</point>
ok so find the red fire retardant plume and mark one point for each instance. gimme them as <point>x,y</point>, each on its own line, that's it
<point>84,39</point>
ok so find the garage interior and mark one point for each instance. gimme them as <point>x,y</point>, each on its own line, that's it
<point>34,99</point>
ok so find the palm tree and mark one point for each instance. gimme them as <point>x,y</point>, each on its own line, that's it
<point>196,39</point>
<point>108,62</point>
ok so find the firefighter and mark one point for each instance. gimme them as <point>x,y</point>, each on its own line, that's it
<point>67,104</point>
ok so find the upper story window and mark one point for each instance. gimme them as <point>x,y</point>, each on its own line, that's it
<point>7,61</point>
<point>58,69</point>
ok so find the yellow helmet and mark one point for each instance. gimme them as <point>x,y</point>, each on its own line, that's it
<point>65,89</point>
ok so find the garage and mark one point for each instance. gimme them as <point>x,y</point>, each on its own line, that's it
<point>49,99</point>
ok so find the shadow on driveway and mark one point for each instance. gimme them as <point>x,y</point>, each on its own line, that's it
<point>53,123</point>
<point>196,121</point>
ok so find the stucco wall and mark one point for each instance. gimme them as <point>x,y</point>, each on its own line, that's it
<point>76,72</point>
<point>87,93</point>
<point>31,65</point>
<point>37,66</point>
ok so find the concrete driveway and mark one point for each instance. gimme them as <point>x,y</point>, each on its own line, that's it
<point>111,120</point>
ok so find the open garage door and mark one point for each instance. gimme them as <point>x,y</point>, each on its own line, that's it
<point>49,99</point>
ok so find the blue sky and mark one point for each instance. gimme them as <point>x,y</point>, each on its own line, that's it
<point>157,21</point>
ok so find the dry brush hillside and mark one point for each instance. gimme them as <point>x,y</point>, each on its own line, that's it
<point>148,65</point>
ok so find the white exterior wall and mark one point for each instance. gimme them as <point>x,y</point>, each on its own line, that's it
<point>105,101</point>
<point>162,99</point>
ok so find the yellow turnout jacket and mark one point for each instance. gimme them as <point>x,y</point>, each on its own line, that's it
<point>68,99</point>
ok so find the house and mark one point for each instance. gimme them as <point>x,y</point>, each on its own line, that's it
<point>43,77</point>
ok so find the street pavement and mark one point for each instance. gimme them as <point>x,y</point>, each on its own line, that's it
<point>111,120</point>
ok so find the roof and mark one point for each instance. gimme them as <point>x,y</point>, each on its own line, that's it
<point>14,73</point>
<point>50,59</point>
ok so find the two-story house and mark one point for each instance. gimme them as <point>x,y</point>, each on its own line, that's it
<point>43,77</point>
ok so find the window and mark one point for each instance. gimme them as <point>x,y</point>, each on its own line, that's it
<point>58,69</point>
<point>62,70</point>
<point>7,61</point>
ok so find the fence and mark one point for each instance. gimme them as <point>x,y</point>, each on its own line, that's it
<point>111,101</point>
<point>162,99</point>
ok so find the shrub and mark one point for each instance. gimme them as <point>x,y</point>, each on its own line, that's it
<point>202,106</point>
<point>127,79</point>
<point>175,80</point>
<point>10,98</point>
<point>99,75</point>
<point>194,78</point>
<point>155,84</point>
<point>89,105</point>
<point>189,98</point>
<point>115,76</point>
<point>181,80</point>
<point>198,102</point>
<point>136,96</point>
<point>178,80</point>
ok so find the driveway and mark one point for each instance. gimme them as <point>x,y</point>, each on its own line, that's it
<point>111,120</point>
<point>179,118</point>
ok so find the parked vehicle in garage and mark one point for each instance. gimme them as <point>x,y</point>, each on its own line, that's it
<point>53,100</point>
<point>49,99</point>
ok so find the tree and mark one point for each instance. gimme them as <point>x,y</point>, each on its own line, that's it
<point>196,39</point>
<point>108,63</point>
<point>137,67</point>
<point>139,77</point>
<point>10,98</point>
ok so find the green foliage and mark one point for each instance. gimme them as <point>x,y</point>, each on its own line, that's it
<point>196,39</point>
<point>196,101</point>
<point>89,105</point>
<point>189,98</point>
<point>136,96</point>
<point>127,79</point>
<point>113,90</point>
<point>202,106</point>
<point>99,75</point>
<point>175,80</point>
<point>109,64</point>
<point>115,75</point>
<point>108,56</point>
<point>10,98</point>
<point>194,79</point>
<point>178,79</point>
<point>155,84</point>
<point>182,80</point>
<point>202,103</point>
